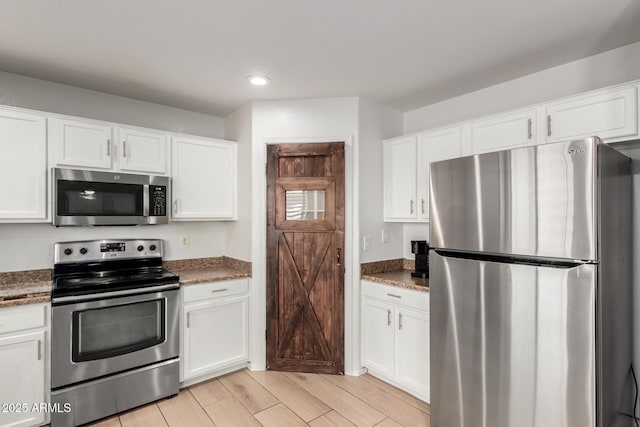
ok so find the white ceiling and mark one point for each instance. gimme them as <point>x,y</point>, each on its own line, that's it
<point>195,54</point>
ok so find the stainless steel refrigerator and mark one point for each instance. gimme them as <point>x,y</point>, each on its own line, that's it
<point>530,288</point>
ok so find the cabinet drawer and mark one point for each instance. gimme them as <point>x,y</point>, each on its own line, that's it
<point>396,295</point>
<point>23,317</point>
<point>219,289</point>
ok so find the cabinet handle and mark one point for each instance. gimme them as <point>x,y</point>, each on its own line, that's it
<point>422,202</point>
<point>188,319</point>
<point>108,147</point>
<point>411,207</point>
<point>219,290</point>
<point>388,317</point>
<point>549,125</point>
<point>399,320</point>
<point>529,130</point>
<point>175,206</point>
<point>124,148</point>
<point>394,295</point>
<point>339,256</point>
<point>39,349</point>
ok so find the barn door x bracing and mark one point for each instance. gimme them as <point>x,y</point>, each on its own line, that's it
<point>305,254</point>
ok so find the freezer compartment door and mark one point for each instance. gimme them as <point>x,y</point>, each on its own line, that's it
<point>532,201</point>
<point>512,344</point>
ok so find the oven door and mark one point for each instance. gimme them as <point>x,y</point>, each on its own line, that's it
<point>101,337</point>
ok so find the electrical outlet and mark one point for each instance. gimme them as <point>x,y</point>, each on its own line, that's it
<point>384,236</point>
<point>185,241</point>
<point>366,243</point>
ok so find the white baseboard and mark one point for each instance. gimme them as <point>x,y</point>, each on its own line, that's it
<point>213,374</point>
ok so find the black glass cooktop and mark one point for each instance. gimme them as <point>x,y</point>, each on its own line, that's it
<point>83,279</point>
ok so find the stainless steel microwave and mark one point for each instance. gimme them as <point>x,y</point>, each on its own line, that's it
<point>82,197</point>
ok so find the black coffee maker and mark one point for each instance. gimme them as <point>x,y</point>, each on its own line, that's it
<point>421,250</point>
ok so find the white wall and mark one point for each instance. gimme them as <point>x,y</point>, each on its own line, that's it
<point>376,122</point>
<point>237,127</point>
<point>413,232</point>
<point>30,246</point>
<point>27,92</point>
<point>605,69</point>
<point>309,120</point>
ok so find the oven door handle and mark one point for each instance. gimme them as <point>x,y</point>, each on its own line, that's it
<point>137,291</point>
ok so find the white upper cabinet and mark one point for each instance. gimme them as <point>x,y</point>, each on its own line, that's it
<point>607,114</point>
<point>399,170</point>
<point>406,167</point>
<point>88,144</point>
<point>506,131</point>
<point>142,151</point>
<point>82,144</point>
<point>204,176</point>
<point>23,167</point>
<point>434,146</point>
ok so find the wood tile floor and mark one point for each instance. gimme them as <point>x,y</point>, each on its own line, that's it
<point>281,399</point>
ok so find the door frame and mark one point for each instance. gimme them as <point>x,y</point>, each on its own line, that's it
<point>258,302</point>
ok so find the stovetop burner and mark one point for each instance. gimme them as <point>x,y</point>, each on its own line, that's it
<point>108,265</point>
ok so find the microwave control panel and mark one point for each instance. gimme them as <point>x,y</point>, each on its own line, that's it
<point>158,199</point>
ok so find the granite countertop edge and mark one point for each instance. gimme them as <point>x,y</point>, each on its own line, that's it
<point>210,274</point>
<point>399,283</point>
<point>17,293</point>
<point>34,286</point>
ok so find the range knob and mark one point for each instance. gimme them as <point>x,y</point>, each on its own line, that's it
<point>68,251</point>
<point>140,248</point>
<point>152,247</point>
<point>83,251</point>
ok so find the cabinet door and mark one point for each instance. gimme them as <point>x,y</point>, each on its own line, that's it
<point>23,167</point>
<point>512,130</point>
<point>378,347</point>
<point>608,115</point>
<point>413,350</point>
<point>142,151</point>
<point>399,171</point>
<point>216,335</point>
<point>432,147</point>
<point>204,179</point>
<point>22,369</point>
<point>80,144</point>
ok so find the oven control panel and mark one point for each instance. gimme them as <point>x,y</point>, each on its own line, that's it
<point>102,250</point>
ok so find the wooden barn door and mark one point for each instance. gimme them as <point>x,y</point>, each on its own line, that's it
<point>305,254</point>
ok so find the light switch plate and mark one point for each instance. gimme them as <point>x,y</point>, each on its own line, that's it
<point>384,236</point>
<point>366,243</point>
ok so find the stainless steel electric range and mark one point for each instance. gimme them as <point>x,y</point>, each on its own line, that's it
<point>115,328</point>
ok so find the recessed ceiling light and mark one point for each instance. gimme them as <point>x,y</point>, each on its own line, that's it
<point>259,80</point>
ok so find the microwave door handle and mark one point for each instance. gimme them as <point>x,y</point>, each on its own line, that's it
<point>145,201</point>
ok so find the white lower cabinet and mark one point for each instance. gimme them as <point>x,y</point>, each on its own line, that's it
<point>215,329</point>
<point>395,336</point>
<point>24,365</point>
<point>378,350</point>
